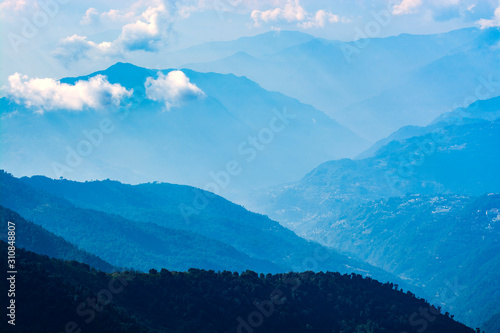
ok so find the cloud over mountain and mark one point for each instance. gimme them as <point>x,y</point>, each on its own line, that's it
<point>49,94</point>
<point>173,89</point>
<point>406,7</point>
<point>77,47</point>
<point>293,12</point>
<point>494,22</point>
<point>147,31</point>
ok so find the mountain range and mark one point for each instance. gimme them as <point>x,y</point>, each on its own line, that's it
<point>421,204</point>
<point>374,86</point>
<point>121,242</point>
<point>454,154</point>
<point>363,166</point>
<point>208,301</point>
<point>222,139</point>
<point>35,238</point>
<point>448,245</point>
<point>157,226</point>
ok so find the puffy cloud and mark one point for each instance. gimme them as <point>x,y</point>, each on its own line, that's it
<point>148,33</point>
<point>77,47</point>
<point>91,16</point>
<point>494,22</point>
<point>293,12</point>
<point>185,11</point>
<point>406,7</point>
<point>173,89</point>
<point>471,7</point>
<point>186,7</point>
<point>49,94</point>
<point>115,15</point>
<point>9,6</point>
<point>12,10</point>
<point>320,19</point>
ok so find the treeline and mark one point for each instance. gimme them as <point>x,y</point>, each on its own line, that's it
<point>57,296</point>
<point>35,238</point>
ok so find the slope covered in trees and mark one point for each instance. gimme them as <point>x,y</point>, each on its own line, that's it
<point>449,245</point>
<point>185,209</point>
<point>52,296</point>
<point>444,239</point>
<point>35,238</point>
<point>492,325</point>
<point>458,159</point>
<point>121,242</point>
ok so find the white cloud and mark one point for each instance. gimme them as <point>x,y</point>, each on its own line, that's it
<point>77,47</point>
<point>293,12</point>
<point>445,3</point>
<point>320,19</point>
<point>148,32</point>
<point>12,10</point>
<point>12,6</point>
<point>187,7</point>
<point>471,7</point>
<point>494,22</point>
<point>115,15</point>
<point>49,94</point>
<point>90,17</point>
<point>185,11</point>
<point>173,89</point>
<point>406,7</point>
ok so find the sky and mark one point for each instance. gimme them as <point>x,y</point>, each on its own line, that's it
<point>61,38</point>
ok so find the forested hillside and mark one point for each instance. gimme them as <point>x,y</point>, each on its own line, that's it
<point>53,295</point>
<point>35,238</point>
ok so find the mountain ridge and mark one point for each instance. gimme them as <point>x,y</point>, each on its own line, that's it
<point>236,120</point>
<point>188,209</point>
<point>35,238</point>
<point>364,97</point>
<point>206,301</point>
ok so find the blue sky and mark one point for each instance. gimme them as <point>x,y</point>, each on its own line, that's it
<point>58,38</point>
